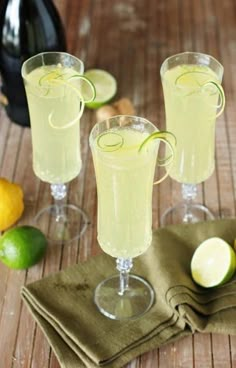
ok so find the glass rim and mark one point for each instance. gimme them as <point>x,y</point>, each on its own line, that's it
<point>189,53</point>
<point>119,117</point>
<point>23,67</point>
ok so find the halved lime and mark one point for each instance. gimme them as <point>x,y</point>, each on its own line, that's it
<point>105,85</point>
<point>213,262</point>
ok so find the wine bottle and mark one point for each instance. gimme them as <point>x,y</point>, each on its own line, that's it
<point>27,27</point>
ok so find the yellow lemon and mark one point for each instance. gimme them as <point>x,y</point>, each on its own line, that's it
<point>11,203</point>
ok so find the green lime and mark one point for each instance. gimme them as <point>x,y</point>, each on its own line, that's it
<point>22,247</point>
<point>213,262</point>
<point>105,85</point>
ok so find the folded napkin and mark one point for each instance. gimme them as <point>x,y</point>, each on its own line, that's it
<point>80,336</point>
<point>204,310</point>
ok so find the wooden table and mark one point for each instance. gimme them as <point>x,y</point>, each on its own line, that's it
<point>130,39</point>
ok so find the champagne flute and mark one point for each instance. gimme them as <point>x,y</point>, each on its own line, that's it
<point>124,150</point>
<point>55,88</point>
<point>193,99</point>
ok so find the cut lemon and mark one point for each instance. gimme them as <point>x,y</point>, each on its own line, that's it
<point>213,262</point>
<point>105,85</point>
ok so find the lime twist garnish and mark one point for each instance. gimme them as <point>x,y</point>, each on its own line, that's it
<point>170,140</point>
<point>54,77</point>
<point>189,79</point>
<point>105,84</point>
<point>110,141</point>
<point>219,88</point>
<point>88,89</point>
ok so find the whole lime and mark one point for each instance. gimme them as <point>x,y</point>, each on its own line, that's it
<point>22,247</point>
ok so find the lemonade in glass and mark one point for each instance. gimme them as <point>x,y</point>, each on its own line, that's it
<point>54,85</point>
<point>124,150</point>
<point>193,99</point>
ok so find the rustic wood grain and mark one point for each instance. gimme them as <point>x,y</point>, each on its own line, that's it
<point>130,39</point>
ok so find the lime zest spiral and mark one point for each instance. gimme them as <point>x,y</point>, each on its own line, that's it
<point>170,140</point>
<point>55,77</point>
<point>103,144</point>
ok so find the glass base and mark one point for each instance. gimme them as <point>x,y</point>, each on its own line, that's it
<point>64,226</point>
<point>183,213</point>
<point>135,301</point>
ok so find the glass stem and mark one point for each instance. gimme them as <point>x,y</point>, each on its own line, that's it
<point>124,266</point>
<point>59,192</point>
<point>189,193</point>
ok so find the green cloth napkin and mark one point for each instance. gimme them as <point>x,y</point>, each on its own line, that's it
<point>80,336</point>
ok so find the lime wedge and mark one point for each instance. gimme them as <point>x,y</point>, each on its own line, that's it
<point>105,85</point>
<point>213,263</point>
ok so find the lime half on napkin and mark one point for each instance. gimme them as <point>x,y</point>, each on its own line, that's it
<point>105,85</point>
<point>213,262</point>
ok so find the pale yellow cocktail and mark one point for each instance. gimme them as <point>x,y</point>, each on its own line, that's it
<point>56,92</point>
<point>55,123</point>
<point>193,98</point>
<point>124,181</point>
<point>124,150</point>
<point>191,108</point>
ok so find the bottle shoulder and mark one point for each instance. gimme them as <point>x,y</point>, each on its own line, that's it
<point>31,26</point>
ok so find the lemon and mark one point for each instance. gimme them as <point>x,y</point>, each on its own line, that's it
<point>213,262</point>
<point>22,247</point>
<point>105,86</point>
<point>11,203</point>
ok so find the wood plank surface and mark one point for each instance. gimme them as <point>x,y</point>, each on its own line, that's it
<point>130,39</point>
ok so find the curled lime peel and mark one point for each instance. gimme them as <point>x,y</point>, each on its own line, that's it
<point>48,77</point>
<point>177,81</point>
<point>81,110</point>
<point>170,140</point>
<point>88,81</point>
<point>110,147</point>
<point>220,90</point>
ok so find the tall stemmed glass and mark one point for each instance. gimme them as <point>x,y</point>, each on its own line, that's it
<point>194,99</point>
<point>54,85</point>
<point>124,150</point>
